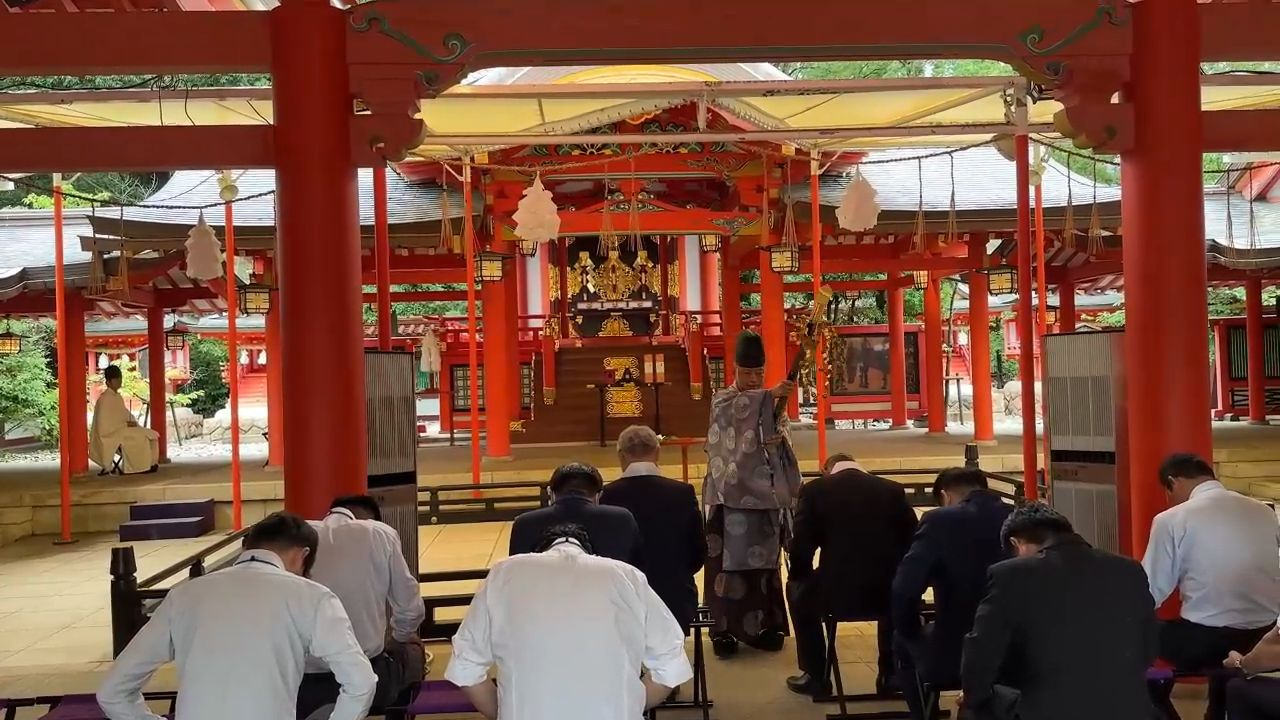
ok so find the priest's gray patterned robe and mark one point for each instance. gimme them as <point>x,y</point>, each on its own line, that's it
<point>750,489</point>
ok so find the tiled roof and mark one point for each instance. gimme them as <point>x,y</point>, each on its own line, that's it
<point>26,238</point>
<point>983,180</point>
<point>406,202</point>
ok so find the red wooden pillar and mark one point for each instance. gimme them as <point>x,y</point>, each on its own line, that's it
<point>897,355</point>
<point>1255,330</point>
<point>815,242</point>
<point>1026,319</point>
<point>1067,307</point>
<point>77,383</point>
<point>318,256</point>
<point>773,314</point>
<point>382,256</point>
<point>709,265</point>
<point>980,357</point>
<point>933,357</point>
<point>156,384</point>
<point>497,359</point>
<point>1162,185</point>
<point>275,390</point>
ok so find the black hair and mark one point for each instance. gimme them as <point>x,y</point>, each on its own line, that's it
<point>112,372</point>
<point>284,531</point>
<point>575,477</point>
<point>564,531</point>
<point>958,478</point>
<point>358,502</point>
<point>835,460</point>
<point>1185,466</point>
<point>1034,523</point>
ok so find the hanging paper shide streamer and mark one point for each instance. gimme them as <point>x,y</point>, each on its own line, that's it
<point>537,218</point>
<point>204,252</point>
<point>859,210</point>
<point>430,353</point>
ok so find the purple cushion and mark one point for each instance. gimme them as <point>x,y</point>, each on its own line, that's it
<point>1158,674</point>
<point>75,707</point>
<point>439,697</point>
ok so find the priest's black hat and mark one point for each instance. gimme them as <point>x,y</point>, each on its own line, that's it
<point>749,352</point>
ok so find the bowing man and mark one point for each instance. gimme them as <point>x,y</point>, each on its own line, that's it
<point>240,637</point>
<point>114,428</point>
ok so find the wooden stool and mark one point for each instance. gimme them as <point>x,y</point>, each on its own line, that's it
<point>833,673</point>
<point>700,700</point>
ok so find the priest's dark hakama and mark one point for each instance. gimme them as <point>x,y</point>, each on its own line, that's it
<point>750,489</point>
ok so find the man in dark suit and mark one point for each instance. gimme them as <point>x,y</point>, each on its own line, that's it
<point>575,492</point>
<point>951,553</point>
<point>1065,632</point>
<point>863,525</point>
<point>673,545</point>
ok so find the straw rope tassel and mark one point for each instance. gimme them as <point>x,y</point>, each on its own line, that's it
<point>1253,228</point>
<point>953,227</point>
<point>1069,215</point>
<point>1095,220</point>
<point>1231,228</point>
<point>917,241</point>
<point>633,212</point>
<point>607,234</point>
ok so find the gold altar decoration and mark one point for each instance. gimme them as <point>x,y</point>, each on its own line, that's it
<point>548,396</point>
<point>583,277</point>
<point>551,327</point>
<point>553,281</point>
<point>647,275</point>
<point>615,326</point>
<point>624,400</point>
<point>516,426</point>
<point>673,279</point>
<point>695,391</point>
<point>614,280</point>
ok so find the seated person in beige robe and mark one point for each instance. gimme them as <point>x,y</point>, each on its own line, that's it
<point>114,428</point>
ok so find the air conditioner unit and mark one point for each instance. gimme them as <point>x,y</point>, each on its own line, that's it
<point>1084,406</point>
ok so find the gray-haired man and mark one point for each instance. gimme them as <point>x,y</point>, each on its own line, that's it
<point>674,545</point>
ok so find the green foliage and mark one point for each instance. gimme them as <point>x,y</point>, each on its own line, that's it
<point>419,309</point>
<point>865,69</point>
<point>36,191</point>
<point>71,198</point>
<point>207,388</point>
<point>28,393</point>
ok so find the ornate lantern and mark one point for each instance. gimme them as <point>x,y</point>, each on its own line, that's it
<point>527,248</point>
<point>1051,315</point>
<point>1001,280</point>
<point>709,243</point>
<point>175,338</point>
<point>489,266</point>
<point>255,299</point>
<point>920,279</point>
<point>784,259</point>
<point>10,342</point>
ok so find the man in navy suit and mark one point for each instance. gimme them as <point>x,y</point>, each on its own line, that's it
<point>952,550</point>
<point>674,542</point>
<point>575,494</point>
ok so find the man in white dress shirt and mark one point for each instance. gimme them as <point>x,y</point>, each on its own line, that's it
<point>360,559</point>
<point>240,637</point>
<point>1221,551</point>
<point>569,634</point>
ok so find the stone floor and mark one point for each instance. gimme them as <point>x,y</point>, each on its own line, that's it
<point>55,624</point>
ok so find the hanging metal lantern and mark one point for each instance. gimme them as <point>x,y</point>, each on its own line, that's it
<point>784,259</point>
<point>709,243</point>
<point>920,279</point>
<point>10,342</point>
<point>489,266</point>
<point>255,299</point>
<point>528,248</point>
<point>1001,280</point>
<point>175,338</point>
<point>1051,315</point>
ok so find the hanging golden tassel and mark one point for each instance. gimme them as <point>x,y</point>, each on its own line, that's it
<point>633,215</point>
<point>448,238</point>
<point>917,241</point>
<point>608,237</point>
<point>97,274</point>
<point>1231,229</point>
<point>1253,227</point>
<point>789,236</point>
<point>1095,220</point>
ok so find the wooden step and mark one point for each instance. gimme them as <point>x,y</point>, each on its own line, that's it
<point>164,529</point>
<point>169,509</point>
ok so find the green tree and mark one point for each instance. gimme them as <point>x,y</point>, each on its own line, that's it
<point>418,309</point>
<point>28,393</point>
<point>207,385</point>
